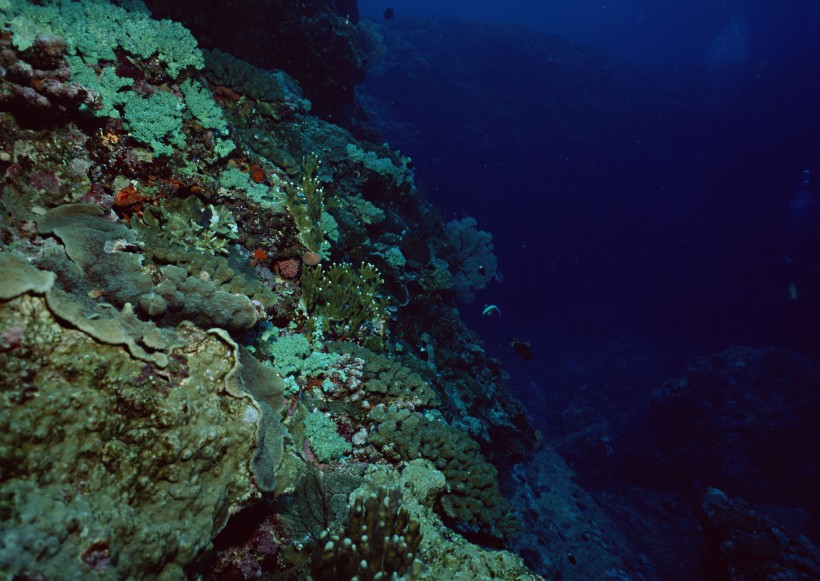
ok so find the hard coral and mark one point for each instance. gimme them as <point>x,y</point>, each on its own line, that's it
<point>380,540</point>
<point>288,268</point>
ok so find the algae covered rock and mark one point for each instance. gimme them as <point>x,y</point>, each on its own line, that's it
<point>111,467</point>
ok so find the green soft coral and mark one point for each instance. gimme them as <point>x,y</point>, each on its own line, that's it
<point>346,301</point>
<point>93,29</point>
<point>203,107</point>
<point>106,83</point>
<point>308,204</point>
<point>155,120</point>
<point>265,196</point>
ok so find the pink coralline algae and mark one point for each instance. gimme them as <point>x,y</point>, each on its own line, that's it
<point>289,268</point>
<point>11,338</point>
<point>46,181</point>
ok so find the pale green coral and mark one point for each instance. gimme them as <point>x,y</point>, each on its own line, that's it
<point>155,120</point>
<point>395,258</point>
<point>203,107</point>
<point>106,84</point>
<point>364,210</point>
<point>235,178</point>
<point>92,30</point>
<point>95,28</point>
<point>293,355</point>
<point>381,165</point>
<point>325,442</point>
<point>223,147</point>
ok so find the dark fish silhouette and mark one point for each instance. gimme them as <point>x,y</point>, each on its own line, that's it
<point>522,348</point>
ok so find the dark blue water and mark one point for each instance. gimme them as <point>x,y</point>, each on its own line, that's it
<point>660,31</point>
<point>650,173</point>
<point>641,186</point>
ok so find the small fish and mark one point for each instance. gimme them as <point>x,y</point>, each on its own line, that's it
<point>389,13</point>
<point>522,348</point>
<point>490,309</point>
<point>792,291</point>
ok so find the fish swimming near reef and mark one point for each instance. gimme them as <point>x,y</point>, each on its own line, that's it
<point>522,348</point>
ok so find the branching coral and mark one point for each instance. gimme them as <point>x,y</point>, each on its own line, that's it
<point>308,203</point>
<point>379,542</point>
<point>346,301</point>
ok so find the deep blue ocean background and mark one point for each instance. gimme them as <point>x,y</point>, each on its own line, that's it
<point>650,173</point>
<point>636,171</point>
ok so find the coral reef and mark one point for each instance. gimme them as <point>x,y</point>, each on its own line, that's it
<point>379,540</point>
<point>105,455</point>
<point>207,344</point>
